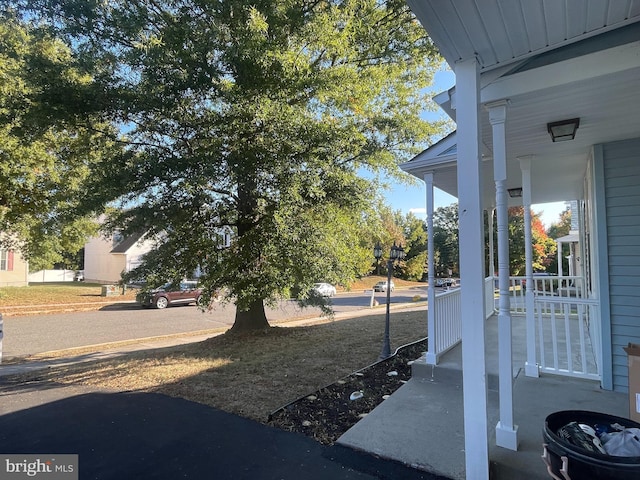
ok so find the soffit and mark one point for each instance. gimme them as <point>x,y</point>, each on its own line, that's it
<point>501,32</point>
<point>608,109</point>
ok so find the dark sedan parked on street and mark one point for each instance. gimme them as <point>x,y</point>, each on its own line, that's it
<point>170,293</point>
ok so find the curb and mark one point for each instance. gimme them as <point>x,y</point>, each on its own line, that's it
<point>23,310</point>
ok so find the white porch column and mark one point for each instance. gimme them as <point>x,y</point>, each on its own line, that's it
<point>569,258</point>
<point>506,431</point>
<point>559,254</point>
<point>530,366</point>
<point>432,354</point>
<point>470,212</point>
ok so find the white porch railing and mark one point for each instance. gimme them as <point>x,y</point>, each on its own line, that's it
<point>556,286</point>
<point>490,297</point>
<point>447,323</point>
<point>567,339</point>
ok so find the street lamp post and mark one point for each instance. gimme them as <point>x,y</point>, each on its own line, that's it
<point>397,253</point>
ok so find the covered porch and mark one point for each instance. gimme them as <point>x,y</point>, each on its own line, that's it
<point>545,105</point>
<point>422,423</point>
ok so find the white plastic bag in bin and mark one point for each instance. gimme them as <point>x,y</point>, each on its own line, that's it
<point>625,443</point>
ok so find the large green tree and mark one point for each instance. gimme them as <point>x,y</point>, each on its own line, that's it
<point>415,244</point>
<point>388,226</point>
<point>254,116</point>
<point>446,241</point>
<point>45,155</point>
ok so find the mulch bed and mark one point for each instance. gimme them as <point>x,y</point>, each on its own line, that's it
<point>329,412</point>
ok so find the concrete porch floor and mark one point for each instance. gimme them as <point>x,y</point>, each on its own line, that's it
<point>422,425</point>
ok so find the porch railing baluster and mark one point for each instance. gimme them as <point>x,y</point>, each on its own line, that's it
<point>583,338</point>
<point>554,339</point>
<point>572,334</point>
<point>567,335</point>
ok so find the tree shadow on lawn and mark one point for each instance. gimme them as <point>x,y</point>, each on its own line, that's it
<point>253,374</point>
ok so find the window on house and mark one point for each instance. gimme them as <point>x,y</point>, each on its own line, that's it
<point>117,238</point>
<point>6,260</point>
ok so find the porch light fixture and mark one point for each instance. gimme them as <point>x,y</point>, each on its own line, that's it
<point>515,192</point>
<point>563,130</point>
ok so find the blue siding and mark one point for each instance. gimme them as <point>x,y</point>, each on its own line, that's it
<point>622,192</point>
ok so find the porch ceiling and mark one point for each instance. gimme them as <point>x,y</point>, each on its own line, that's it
<point>499,32</point>
<point>608,111</point>
<point>595,80</point>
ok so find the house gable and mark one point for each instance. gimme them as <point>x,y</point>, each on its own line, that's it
<point>106,258</point>
<point>126,244</point>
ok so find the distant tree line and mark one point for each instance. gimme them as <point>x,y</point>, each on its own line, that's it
<point>411,232</point>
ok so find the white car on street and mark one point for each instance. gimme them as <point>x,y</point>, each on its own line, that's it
<point>324,289</point>
<point>382,286</point>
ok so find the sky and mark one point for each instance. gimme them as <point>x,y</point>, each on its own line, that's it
<point>412,198</point>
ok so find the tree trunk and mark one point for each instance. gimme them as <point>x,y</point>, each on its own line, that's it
<point>251,320</point>
<point>255,318</point>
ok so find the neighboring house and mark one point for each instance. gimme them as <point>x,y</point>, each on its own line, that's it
<point>105,259</point>
<point>528,74</point>
<point>14,270</point>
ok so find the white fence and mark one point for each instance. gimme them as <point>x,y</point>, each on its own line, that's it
<point>42,276</point>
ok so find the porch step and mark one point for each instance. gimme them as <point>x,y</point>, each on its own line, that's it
<point>445,371</point>
<point>420,425</point>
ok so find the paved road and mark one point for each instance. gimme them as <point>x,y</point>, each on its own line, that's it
<point>29,335</point>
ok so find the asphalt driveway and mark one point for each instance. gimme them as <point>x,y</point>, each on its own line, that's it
<point>151,436</point>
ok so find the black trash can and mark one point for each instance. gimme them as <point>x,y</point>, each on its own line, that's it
<point>566,461</point>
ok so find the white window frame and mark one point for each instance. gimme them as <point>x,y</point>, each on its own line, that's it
<point>4,259</point>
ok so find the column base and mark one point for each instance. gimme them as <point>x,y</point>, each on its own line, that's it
<point>531,370</point>
<point>431,358</point>
<point>507,437</point>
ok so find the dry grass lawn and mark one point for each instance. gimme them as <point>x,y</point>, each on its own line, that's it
<point>41,298</point>
<point>56,293</point>
<point>249,375</point>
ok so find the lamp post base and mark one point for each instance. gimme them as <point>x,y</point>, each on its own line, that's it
<point>385,353</point>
